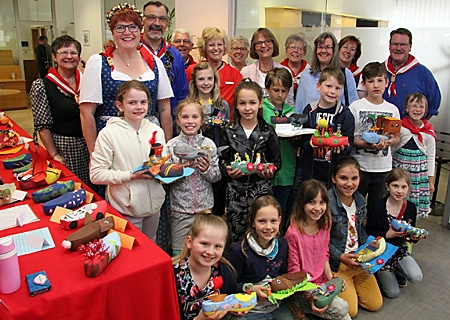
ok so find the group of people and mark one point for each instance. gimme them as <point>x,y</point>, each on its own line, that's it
<point>305,212</point>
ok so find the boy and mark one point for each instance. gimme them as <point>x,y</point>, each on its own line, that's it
<point>375,159</point>
<point>278,82</point>
<point>318,162</point>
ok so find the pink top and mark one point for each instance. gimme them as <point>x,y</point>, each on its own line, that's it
<point>308,253</point>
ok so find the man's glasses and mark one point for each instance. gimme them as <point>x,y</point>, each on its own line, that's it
<point>120,28</point>
<point>153,18</point>
<point>67,53</point>
<point>184,41</point>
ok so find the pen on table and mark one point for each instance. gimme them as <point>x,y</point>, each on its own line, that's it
<point>4,304</point>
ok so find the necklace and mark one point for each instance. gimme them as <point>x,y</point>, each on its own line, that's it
<point>127,63</point>
<point>264,70</point>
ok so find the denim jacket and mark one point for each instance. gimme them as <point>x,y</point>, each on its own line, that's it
<point>339,227</point>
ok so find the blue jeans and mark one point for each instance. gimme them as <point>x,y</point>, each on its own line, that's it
<point>407,268</point>
<point>281,313</point>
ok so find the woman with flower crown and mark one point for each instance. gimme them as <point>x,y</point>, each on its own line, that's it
<point>56,113</point>
<point>106,71</point>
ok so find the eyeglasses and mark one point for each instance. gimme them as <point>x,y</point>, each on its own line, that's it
<point>236,49</point>
<point>120,28</point>
<point>179,41</point>
<point>346,47</point>
<point>67,53</point>
<point>292,47</point>
<point>402,45</point>
<point>153,18</point>
<point>266,42</point>
<point>327,48</point>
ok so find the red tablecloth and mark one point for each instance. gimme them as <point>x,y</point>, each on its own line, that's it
<point>138,284</point>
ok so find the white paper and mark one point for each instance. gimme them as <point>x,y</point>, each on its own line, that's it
<point>9,217</point>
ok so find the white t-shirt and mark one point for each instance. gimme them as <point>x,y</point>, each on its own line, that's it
<point>91,84</point>
<point>372,160</point>
<point>352,235</point>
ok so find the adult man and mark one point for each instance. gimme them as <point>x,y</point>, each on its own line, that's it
<point>43,56</point>
<point>182,40</point>
<point>406,75</point>
<point>155,24</point>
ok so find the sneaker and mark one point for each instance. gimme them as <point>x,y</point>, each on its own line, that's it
<point>401,281</point>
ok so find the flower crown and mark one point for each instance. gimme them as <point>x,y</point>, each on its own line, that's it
<point>120,7</point>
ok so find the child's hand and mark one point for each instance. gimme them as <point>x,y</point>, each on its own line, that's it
<point>217,315</point>
<point>338,149</point>
<point>266,175</point>
<point>203,163</point>
<point>234,174</point>
<point>389,142</point>
<point>349,259</point>
<point>261,292</point>
<point>391,233</point>
<point>186,164</point>
<point>141,174</point>
<point>310,298</point>
<point>380,145</point>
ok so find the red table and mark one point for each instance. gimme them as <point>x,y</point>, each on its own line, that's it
<point>138,284</point>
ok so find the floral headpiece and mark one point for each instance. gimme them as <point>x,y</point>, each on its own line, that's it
<point>120,7</point>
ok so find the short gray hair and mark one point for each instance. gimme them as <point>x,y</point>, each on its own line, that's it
<point>182,30</point>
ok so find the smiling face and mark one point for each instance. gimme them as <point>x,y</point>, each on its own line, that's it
<point>263,47</point>
<point>134,106</point>
<point>398,190</point>
<point>399,47</point>
<point>248,105</point>
<point>277,93</point>
<point>330,91</point>
<point>346,181</point>
<point>295,51</point>
<point>347,53</point>
<point>183,44</point>
<point>238,53</point>
<point>325,52</point>
<point>266,225</point>
<point>190,119</point>
<point>127,39</point>
<point>315,209</point>
<point>67,57</point>
<point>207,247</point>
<point>155,22</point>
<point>204,81</point>
<point>416,109</point>
<point>215,49</point>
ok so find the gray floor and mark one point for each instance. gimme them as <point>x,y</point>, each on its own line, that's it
<point>429,299</point>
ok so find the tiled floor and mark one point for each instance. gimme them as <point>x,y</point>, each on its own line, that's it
<point>429,299</point>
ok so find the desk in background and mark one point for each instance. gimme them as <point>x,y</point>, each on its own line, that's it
<point>138,284</point>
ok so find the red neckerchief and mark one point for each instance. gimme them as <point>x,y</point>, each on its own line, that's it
<point>148,57</point>
<point>426,128</point>
<point>108,54</point>
<point>408,65</point>
<point>356,71</point>
<point>402,209</point>
<point>303,64</point>
<point>54,76</point>
<point>160,52</point>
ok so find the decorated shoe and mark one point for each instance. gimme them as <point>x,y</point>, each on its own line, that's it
<point>69,200</point>
<point>17,162</point>
<point>75,219</point>
<point>327,292</point>
<point>238,302</point>
<point>53,191</point>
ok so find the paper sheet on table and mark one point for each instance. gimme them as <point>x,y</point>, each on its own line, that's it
<point>20,241</point>
<point>8,217</point>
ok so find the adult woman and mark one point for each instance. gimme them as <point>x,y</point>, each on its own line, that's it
<point>238,52</point>
<point>212,45</point>
<point>56,113</point>
<point>264,46</point>
<point>325,55</point>
<point>108,44</point>
<point>295,46</point>
<point>107,71</point>
<point>349,53</point>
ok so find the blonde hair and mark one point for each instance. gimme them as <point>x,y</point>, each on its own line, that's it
<point>211,33</point>
<point>193,90</point>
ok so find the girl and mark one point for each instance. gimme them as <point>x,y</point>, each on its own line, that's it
<point>308,236</point>
<point>204,87</point>
<point>416,151</point>
<point>194,193</point>
<point>261,256</point>
<point>248,135</point>
<point>401,266</point>
<point>348,210</point>
<point>278,82</point>
<point>122,146</point>
<point>200,269</point>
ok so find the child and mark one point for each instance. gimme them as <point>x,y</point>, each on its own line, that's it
<point>199,269</point>
<point>261,256</point>
<point>308,236</point>
<point>204,87</point>
<point>123,146</point>
<point>375,159</point>
<point>248,135</point>
<point>416,151</point>
<point>401,266</point>
<point>348,210</point>
<point>192,194</point>
<point>278,83</point>
<point>318,162</point>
